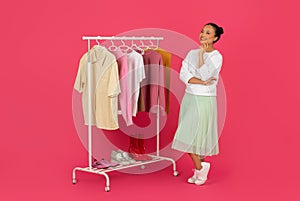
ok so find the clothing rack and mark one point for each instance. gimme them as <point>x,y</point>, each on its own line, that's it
<point>155,158</point>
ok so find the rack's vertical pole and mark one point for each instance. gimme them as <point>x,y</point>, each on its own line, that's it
<point>89,107</point>
<point>157,127</point>
<point>157,114</point>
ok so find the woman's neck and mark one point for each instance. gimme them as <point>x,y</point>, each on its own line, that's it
<point>210,48</point>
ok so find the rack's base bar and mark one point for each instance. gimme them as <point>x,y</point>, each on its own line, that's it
<point>120,167</point>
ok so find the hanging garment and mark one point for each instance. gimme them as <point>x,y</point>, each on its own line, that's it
<point>167,58</point>
<point>153,85</point>
<point>136,73</point>
<point>124,97</point>
<point>105,88</point>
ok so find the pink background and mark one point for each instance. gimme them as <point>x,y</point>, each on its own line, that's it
<point>40,49</point>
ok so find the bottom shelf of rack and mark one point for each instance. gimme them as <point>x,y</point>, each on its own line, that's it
<point>119,167</point>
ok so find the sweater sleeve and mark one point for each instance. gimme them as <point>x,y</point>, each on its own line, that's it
<point>185,74</point>
<point>211,67</point>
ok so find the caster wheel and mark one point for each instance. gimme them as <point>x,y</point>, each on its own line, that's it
<point>107,189</point>
<point>142,167</point>
<point>175,173</point>
<point>74,181</point>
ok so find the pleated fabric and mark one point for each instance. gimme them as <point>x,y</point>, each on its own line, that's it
<point>197,130</point>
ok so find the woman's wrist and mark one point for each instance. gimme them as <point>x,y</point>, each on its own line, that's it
<point>200,60</point>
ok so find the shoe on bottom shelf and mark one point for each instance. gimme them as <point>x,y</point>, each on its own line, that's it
<point>118,158</point>
<point>141,157</point>
<point>102,164</point>
<point>127,156</point>
<point>98,165</point>
<point>109,164</point>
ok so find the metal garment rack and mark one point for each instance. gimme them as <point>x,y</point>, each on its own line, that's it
<point>90,169</point>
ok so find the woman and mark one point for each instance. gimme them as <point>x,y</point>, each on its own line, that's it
<point>197,132</point>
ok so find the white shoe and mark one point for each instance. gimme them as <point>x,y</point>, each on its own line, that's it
<point>126,156</point>
<point>205,170</point>
<point>201,175</point>
<point>199,181</point>
<point>118,158</point>
<point>192,179</point>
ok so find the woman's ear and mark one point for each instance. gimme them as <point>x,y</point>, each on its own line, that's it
<point>216,38</point>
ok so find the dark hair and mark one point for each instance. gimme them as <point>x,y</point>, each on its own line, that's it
<point>218,30</point>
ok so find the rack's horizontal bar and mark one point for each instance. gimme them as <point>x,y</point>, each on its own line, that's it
<point>120,38</point>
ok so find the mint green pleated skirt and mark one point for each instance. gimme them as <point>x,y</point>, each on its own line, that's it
<point>197,130</point>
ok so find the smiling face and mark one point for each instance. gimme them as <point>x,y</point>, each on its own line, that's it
<point>207,35</point>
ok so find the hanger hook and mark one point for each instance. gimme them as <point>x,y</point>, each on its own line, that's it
<point>142,42</point>
<point>151,43</point>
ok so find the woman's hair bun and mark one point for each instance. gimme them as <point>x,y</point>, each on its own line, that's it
<point>221,31</point>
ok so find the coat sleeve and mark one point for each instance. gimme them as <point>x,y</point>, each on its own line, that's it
<point>81,79</point>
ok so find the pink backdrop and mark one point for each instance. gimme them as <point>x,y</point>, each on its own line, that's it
<point>40,49</point>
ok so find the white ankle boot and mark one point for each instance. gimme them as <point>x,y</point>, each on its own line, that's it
<point>200,176</point>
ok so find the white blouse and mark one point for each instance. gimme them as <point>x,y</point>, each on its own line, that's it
<point>211,68</point>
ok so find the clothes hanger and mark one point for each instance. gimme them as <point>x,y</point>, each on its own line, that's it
<point>143,46</point>
<point>98,42</point>
<point>124,48</point>
<point>152,46</point>
<point>134,46</point>
<point>112,47</point>
<point>157,44</point>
